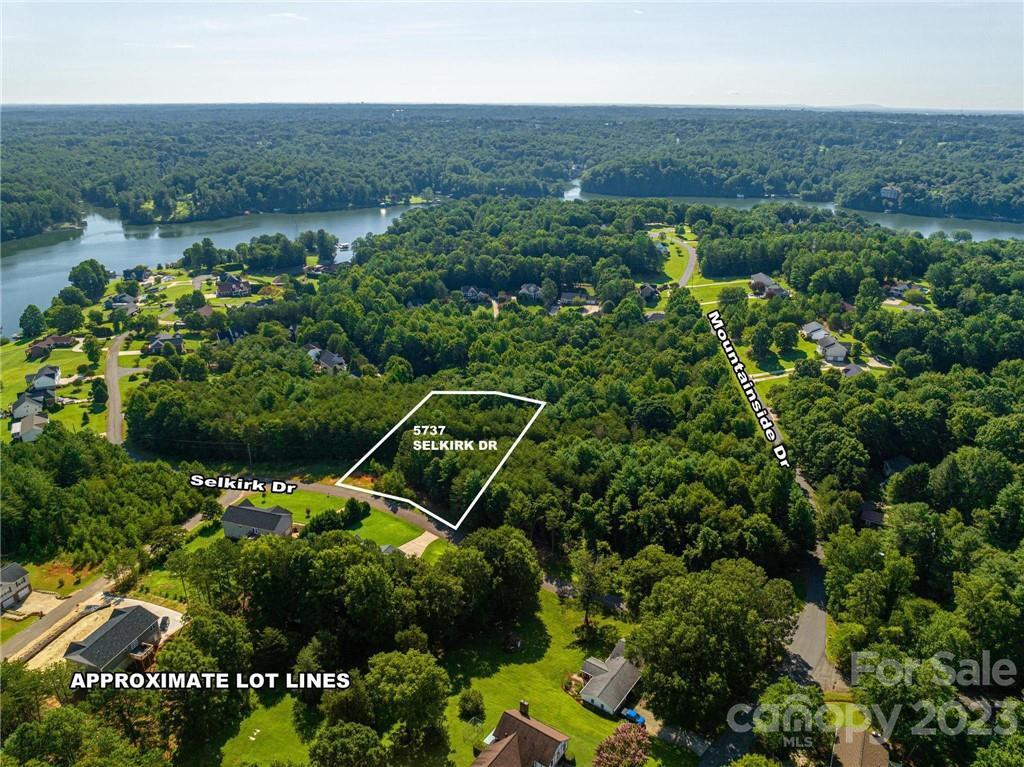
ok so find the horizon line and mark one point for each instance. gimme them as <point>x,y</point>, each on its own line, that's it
<point>866,108</point>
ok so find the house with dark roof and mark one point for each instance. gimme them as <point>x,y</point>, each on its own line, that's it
<point>649,293</point>
<point>851,370</point>
<point>763,285</point>
<point>131,634</point>
<point>331,363</point>
<point>232,286</point>
<point>26,404</point>
<point>160,340</point>
<point>14,585</point>
<point>45,346</point>
<point>521,741</point>
<point>205,311</point>
<point>831,349</point>
<point>47,377</point>
<point>243,520</point>
<point>609,682</point>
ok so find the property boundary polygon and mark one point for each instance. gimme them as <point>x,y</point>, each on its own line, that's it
<point>438,392</point>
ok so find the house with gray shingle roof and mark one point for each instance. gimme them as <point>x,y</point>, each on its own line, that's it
<point>14,585</point>
<point>609,681</point>
<point>131,633</point>
<point>243,520</point>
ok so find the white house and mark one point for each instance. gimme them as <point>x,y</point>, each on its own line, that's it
<point>14,585</point>
<point>610,681</point>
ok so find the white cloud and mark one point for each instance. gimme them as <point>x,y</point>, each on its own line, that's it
<point>163,46</point>
<point>289,15</point>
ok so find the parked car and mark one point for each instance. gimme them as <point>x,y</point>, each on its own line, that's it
<point>165,622</point>
<point>632,716</point>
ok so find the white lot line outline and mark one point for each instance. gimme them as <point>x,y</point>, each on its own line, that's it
<point>540,406</point>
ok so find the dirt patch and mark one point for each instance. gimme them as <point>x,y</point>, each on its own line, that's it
<point>54,651</point>
<point>39,602</point>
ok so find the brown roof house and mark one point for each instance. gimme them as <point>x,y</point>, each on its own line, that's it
<point>859,748</point>
<point>520,741</point>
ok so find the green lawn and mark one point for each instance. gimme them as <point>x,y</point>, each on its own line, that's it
<point>380,527</point>
<point>535,674</point>
<point>265,736</point>
<point>14,367</point>
<point>58,575</point>
<point>776,361</point>
<point>710,291</point>
<point>383,528</point>
<point>434,551</point>
<point>9,627</point>
<point>71,417</point>
<point>160,586</point>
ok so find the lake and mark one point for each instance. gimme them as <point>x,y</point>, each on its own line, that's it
<point>33,270</point>
<point>980,229</point>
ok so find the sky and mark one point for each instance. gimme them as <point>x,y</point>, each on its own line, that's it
<point>962,56</point>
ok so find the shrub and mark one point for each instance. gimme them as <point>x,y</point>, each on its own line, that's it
<point>471,704</point>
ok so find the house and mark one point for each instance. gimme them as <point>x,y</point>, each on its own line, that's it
<point>520,741</point>
<point>47,377</point>
<point>331,363</point>
<point>131,633</point>
<point>26,404</point>
<point>871,516</point>
<point>243,520</point>
<point>831,349</point>
<point>856,747</point>
<point>610,681</point>
<point>654,316</point>
<point>890,192</point>
<point>812,331</point>
<point>572,298</point>
<point>29,428</point>
<point>763,285</point>
<point>649,293</point>
<point>530,292</point>
<point>119,301</point>
<point>205,311</point>
<point>899,289</point>
<point>160,340</point>
<point>851,370</point>
<point>137,273</point>
<point>471,294</point>
<point>14,585</point>
<point>232,286</point>
<point>313,351</point>
<point>48,344</point>
<point>895,465</point>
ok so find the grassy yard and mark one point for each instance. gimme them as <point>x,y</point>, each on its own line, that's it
<point>380,527</point>
<point>161,586</point>
<point>709,291</point>
<point>434,551</point>
<point>776,361</point>
<point>535,674</point>
<point>9,627</point>
<point>266,735</point>
<point>58,576</point>
<point>14,367</point>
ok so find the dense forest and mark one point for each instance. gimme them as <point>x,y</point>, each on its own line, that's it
<point>181,163</point>
<point>645,473</point>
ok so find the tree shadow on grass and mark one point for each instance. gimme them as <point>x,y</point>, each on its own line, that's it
<point>598,639</point>
<point>488,654</point>
<point>306,719</point>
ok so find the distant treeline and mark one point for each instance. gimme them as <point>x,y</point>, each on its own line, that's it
<point>159,164</point>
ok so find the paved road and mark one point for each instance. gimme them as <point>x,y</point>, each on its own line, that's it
<point>26,637</point>
<point>115,433</point>
<point>807,662</point>
<point>691,264</point>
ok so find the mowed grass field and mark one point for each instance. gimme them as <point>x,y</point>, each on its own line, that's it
<point>535,674</point>
<point>58,575</point>
<point>10,628</point>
